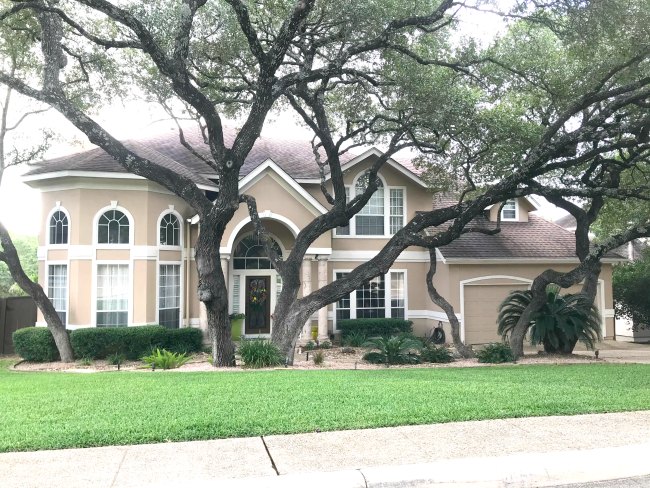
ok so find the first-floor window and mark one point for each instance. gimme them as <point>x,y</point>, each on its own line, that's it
<point>380,297</point>
<point>112,295</point>
<point>57,289</point>
<point>169,296</point>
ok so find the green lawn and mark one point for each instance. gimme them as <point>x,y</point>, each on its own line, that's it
<point>56,410</point>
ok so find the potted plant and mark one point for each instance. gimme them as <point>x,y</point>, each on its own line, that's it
<point>236,325</point>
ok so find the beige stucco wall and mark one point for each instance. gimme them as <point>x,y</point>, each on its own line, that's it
<point>272,196</point>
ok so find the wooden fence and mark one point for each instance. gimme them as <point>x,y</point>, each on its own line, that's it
<point>15,313</point>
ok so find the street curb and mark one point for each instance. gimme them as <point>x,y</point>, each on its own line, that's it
<point>542,469</point>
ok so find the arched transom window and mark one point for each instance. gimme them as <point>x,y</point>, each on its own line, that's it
<point>59,228</point>
<point>170,231</point>
<point>251,254</point>
<point>113,228</point>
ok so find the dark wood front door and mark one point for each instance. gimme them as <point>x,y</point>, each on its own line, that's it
<point>258,305</point>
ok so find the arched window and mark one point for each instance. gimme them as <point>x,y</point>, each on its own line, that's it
<point>113,228</point>
<point>251,254</point>
<point>59,228</point>
<point>170,231</point>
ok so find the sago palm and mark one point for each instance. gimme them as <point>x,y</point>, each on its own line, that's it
<point>393,350</point>
<point>562,321</point>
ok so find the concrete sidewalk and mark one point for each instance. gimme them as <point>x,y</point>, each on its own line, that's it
<point>525,452</point>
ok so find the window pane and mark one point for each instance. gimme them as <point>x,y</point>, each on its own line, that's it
<point>343,305</point>
<point>250,253</point>
<point>371,299</point>
<point>396,210</point>
<point>509,211</point>
<point>170,231</point>
<point>169,295</point>
<point>112,295</point>
<point>369,226</point>
<point>58,228</point>
<point>113,228</point>
<point>57,289</point>
<point>397,295</point>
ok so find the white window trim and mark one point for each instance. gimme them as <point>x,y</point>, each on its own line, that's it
<point>182,290</point>
<point>516,217</point>
<point>93,296</point>
<point>181,221</point>
<point>57,208</point>
<point>65,263</point>
<point>387,188</point>
<point>387,295</point>
<point>96,229</point>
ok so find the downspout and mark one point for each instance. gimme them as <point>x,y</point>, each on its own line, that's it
<point>188,261</point>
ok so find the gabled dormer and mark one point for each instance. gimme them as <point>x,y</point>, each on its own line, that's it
<point>514,210</point>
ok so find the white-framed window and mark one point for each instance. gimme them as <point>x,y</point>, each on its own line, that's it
<point>509,210</point>
<point>169,295</point>
<point>58,228</point>
<point>112,295</point>
<point>383,215</point>
<point>170,230</point>
<point>57,289</point>
<point>113,227</point>
<point>381,297</point>
<point>250,253</point>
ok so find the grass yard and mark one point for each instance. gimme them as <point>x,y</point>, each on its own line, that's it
<point>58,410</point>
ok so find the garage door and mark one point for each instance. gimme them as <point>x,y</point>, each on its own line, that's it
<point>481,311</point>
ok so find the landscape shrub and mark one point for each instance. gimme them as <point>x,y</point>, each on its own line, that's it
<point>393,350</point>
<point>115,359</point>
<point>258,353</point>
<point>355,338</point>
<point>35,344</point>
<point>319,358</point>
<point>164,359</point>
<point>436,354</point>
<point>374,327</point>
<point>497,352</point>
<point>133,342</point>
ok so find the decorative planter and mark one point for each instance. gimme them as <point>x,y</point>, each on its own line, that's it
<point>236,326</point>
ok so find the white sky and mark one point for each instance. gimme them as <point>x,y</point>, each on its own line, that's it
<point>20,205</point>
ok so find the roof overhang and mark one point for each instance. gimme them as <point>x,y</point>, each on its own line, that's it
<point>373,151</point>
<point>505,261</point>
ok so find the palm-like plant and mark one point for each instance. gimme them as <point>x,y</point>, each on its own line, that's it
<point>393,350</point>
<point>559,325</point>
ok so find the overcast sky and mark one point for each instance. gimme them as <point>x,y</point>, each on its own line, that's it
<point>20,205</point>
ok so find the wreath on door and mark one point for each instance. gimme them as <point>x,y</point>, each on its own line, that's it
<point>257,297</point>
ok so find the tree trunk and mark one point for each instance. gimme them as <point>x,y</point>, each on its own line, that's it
<point>464,350</point>
<point>537,302</point>
<point>290,316</point>
<point>213,292</point>
<point>10,257</point>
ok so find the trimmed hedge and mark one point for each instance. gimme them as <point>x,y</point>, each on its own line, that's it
<point>133,342</point>
<point>35,344</point>
<point>374,327</point>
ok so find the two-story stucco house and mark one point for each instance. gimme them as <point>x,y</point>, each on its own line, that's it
<point>116,249</point>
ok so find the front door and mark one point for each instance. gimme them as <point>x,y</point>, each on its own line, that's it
<point>258,305</point>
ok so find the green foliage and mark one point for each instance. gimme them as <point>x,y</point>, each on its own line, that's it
<point>497,352</point>
<point>115,359</point>
<point>257,353</point>
<point>374,327</point>
<point>310,346</point>
<point>325,345</point>
<point>133,342</point>
<point>35,344</point>
<point>355,338</point>
<point>435,354</point>
<point>564,320</point>
<point>26,248</point>
<point>631,282</point>
<point>164,359</point>
<point>85,362</point>
<point>319,358</point>
<point>393,350</point>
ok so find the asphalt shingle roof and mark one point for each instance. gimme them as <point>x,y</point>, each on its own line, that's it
<point>294,155</point>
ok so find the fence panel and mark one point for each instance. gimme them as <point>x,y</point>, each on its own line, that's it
<point>15,313</point>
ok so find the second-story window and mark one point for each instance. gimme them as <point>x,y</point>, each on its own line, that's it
<point>59,228</point>
<point>370,220</point>
<point>170,231</point>
<point>509,210</point>
<point>113,228</point>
